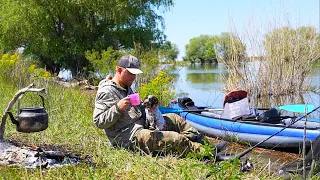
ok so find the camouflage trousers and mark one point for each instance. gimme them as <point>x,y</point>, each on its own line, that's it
<point>174,139</point>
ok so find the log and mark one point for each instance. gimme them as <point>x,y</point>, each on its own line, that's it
<point>71,84</point>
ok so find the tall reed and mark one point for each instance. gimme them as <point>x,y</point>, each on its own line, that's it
<point>279,63</point>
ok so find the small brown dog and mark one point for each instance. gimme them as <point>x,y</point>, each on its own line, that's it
<point>154,118</point>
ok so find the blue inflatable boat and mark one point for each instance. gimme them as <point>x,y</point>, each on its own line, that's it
<point>251,128</point>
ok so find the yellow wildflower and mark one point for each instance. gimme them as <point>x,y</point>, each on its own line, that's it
<point>32,69</point>
<point>46,74</point>
<point>5,57</point>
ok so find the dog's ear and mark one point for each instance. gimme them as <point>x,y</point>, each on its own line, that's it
<point>147,97</point>
<point>145,101</point>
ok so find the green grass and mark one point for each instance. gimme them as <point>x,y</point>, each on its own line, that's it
<point>71,129</point>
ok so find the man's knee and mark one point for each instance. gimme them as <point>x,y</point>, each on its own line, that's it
<point>172,116</point>
<point>171,123</point>
<point>159,139</point>
<point>149,137</point>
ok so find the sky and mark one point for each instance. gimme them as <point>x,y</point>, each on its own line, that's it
<point>192,18</point>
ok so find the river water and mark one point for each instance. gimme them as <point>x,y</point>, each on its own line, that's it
<point>204,85</point>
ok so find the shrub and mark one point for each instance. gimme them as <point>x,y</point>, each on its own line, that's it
<point>7,64</point>
<point>17,69</point>
<point>159,86</point>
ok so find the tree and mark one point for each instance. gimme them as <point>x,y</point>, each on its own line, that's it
<point>59,32</point>
<point>206,48</point>
<point>169,51</point>
<point>201,49</point>
<point>308,36</point>
<point>230,46</point>
<point>288,43</point>
<point>279,41</point>
<point>211,49</point>
<point>289,55</point>
<point>103,63</point>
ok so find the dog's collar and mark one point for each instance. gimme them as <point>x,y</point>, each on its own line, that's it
<point>152,108</point>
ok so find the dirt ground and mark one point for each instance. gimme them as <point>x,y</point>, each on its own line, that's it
<point>266,159</point>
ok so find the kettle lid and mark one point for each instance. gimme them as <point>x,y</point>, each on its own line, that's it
<point>35,109</point>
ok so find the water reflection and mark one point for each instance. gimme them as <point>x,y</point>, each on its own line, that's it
<point>203,77</point>
<point>206,66</point>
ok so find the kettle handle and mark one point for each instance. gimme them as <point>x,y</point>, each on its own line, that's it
<point>42,98</point>
<point>13,120</point>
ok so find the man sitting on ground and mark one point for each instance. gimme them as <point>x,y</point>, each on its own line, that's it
<point>124,123</point>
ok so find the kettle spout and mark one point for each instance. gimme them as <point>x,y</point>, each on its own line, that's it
<point>13,120</point>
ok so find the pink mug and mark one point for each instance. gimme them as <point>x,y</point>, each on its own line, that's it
<point>134,99</point>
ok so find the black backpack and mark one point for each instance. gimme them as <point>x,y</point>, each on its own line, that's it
<point>185,102</point>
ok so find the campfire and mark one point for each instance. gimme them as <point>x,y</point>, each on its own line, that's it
<point>28,120</point>
<point>33,157</point>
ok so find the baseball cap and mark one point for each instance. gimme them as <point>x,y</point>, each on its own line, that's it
<point>131,63</point>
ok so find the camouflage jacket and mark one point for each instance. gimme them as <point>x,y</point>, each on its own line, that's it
<point>120,126</point>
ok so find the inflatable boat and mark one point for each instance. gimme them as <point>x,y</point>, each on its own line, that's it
<point>250,127</point>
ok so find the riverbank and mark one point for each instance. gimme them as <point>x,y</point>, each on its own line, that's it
<point>265,160</point>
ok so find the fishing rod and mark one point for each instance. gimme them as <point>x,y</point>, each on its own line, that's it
<point>220,157</point>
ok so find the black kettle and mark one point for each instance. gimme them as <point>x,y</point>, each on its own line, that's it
<point>30,119</point>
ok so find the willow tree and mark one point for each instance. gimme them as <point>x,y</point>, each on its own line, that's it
<point>201,49</point>
<point>206,48</point>
<point>58,33</point>
<point>289,54</point>
<point>230,47</point>
<point>169,51</point>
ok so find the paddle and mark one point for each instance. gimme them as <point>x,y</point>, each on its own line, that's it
<point>297,108</point>
<point>238,156</point>
<point>165,110</point>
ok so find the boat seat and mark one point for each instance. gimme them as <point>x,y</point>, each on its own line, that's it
<point>213,114</point>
